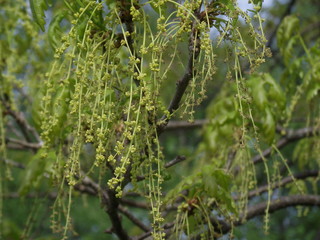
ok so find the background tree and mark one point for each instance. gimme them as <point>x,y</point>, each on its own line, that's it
<point>92,93</point>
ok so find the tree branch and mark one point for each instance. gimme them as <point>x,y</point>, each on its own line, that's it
<point>13,163</point>
<point>20,144</point>
<point>280,203</point>
<point>133,219</point>
<point>112,206</point>
<point>50,195</point>
<point>223,227</point>
<point>175,125</point>
<point>135,204</point>
<point>126,18</point>
<point>166,227</point>
<point>260,209</point>
<point>182,84</point>
<point>112,203</point>
<point>291,136</point>
<point>23,124</point>
<point>175,161</point>
<point>283,182</point>
<point>167,165</point>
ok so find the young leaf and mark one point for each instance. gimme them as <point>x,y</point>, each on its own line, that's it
<point>37,8</point>
<point>258,3</point>
<point>54,30</point>
<point>286,36</point>
<point>269,126</point>
<point>40,164</point>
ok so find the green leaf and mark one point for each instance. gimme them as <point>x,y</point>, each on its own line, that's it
<point>269,126</point>
<point>275,92</point>
<point>81,27</point>
<point>182,185</point>
<point>60,107</point>
<point>301,153</point>
<point>288,28</point>
<point>313,90</point>
<point>258,3</point>
<point>37,108</point>
<point>287,36</point>
<point>259,94</point>
<point>228,4</point>
<point>54,30</point>
<point>10,230</point>
<point>110,3</point>
<point>40,164</point>
<point>38,8</point>
<point>266,92</point>
<point>312,79</point>
<point>287,50</point>
<point>223,109</point>
<point>297,186</point>
<point>216,183</point>
<point>209,181</point>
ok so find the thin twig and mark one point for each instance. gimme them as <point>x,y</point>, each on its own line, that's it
<point>24,144</point>
<point>50,195</point>
<point>133,219</point>
<point>13,163</point>
<point>24,125</point>
<point>166,227</point>
<point>167,165</point>
<point>10,127</point>
<point>136,204</point>
<point>173,162</point>
<point>176,125</point>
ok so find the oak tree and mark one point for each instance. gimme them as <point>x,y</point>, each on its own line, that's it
<point>94,95</point>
